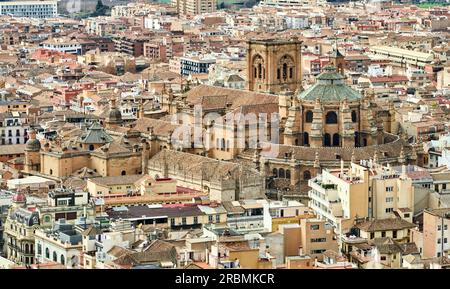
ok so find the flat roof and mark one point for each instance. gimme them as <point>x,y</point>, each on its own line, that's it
<point>427,57</point>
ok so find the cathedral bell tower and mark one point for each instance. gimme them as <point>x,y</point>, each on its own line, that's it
<point>274,65</point>
<point>337,59</point>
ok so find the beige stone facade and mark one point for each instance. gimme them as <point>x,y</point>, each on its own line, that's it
<point>274,65</point>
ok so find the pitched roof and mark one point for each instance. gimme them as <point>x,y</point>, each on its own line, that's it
<point>96,135</point>
<point>213,97</point>
<point>385,225</point>
<point>12,149</point>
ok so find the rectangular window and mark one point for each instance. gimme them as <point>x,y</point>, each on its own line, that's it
<point>389,210</point>
<point>62,202</point>
<point>315,227</point>
<point>394,234</point>
<point>195,220</point>
<point>210,218</point>
<point>390,189</point>
<point>183,220</point>
<point>439,227</point>
<point>217,218</point>
<point>172,222</point>
<point>445,227</point>
<point>383,234</point>
<point>318,240</point>
<point>439,240</point>
<point>389,200</point>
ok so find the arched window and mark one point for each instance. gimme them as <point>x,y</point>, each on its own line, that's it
<point>327,140</point>
<point>258,65</point>
<point>336,139</point>
<point>91,147</point>
<point>63,260</point>
<point>55,257</point>
<point>356,139</point>
<point>228,145</point>
<point>306,175</point>
<point>309,116</point>
<point>223,144</point>
<point>281,174</point>
<point>354,119</point>
<point>296,142</point>
<point>275,173</point>
<point>365,142</point>
<point>123,173</point>
<point>331,117</point>
<point>285,68</point>
<point>288,174</point>
<point>27,249</point>
<point>305,138</point>
<point>51,172</point>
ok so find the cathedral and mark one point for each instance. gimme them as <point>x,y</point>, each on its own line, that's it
<point>323,126</point>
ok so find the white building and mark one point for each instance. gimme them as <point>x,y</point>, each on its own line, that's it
<point>63,45</point>
<point>30,9</point>
<point>297,21</point>
<point>13,128</point>
<point>63,245</point>
<point>33,182</point>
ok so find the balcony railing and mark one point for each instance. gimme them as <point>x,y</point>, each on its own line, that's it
<point>244,218</point>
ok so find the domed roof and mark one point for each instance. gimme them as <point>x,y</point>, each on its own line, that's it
<point>115,115</point>
<point>330,87</point>
<point>19,197</point>
<point>33,145</point>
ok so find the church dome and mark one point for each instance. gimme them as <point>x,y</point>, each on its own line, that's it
<point>33,145</point>
<point>115,115</point>
<point>330,87</point>
<point>19,197</point>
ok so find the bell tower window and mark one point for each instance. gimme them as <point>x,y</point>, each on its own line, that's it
<point>285,68</point>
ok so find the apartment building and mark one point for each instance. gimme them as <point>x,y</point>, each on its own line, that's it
<point>132,45</point>
<point>194,7</point>
<point>277,213</point>
<point>30,9</point>
<point>436,233</point>
<point>310,237</point>
<point>155,51</point>
<point>247,216</point>
<point>13,128</point>
<point>63,44</point>
<point>195,65</point>
<point>364,190</point>
<point>61,244</point>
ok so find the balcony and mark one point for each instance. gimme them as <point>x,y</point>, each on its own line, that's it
<point>244,218</point>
